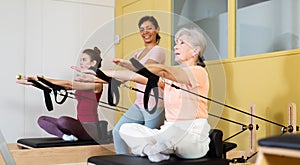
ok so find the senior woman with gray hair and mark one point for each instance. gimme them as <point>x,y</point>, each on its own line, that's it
<point>186,130</point>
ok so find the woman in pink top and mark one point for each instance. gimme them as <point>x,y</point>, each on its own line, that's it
<point>152,53</point>
<point>186,130</point>
<point>86,126</point>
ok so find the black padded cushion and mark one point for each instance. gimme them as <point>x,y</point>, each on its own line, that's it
<point>227,146</point>
<point>290,141</point>
<point>134,160</point>
<point>53,142</point>
<point>216,144</point>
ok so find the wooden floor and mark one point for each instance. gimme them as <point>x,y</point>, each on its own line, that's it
<point>75,155</point>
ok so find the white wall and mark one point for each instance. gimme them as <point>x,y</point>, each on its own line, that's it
<point>46,37</point>
<point>12,52</point>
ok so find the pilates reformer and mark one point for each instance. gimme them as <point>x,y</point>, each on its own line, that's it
<point>44,142</point>
<point>214,156</point>
<point>105,137</point>
<point>277,150</point>
<point>53,150</point>
<point>281,149</point>
<point>226,146</point>
<point>118,159</point>
<point>5,153</point>
<point>53,155</point>
<point>12,154</point>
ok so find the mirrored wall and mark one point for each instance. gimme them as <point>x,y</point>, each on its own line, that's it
<point>210,16</point>
<point>267,26</point>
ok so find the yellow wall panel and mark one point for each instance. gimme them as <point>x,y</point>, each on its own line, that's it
<point>270,82</point>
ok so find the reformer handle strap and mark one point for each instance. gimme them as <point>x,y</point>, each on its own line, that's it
<point>151,84</point>
<point>56,89</point>
<point>113,85</point>
<point>47,92</point>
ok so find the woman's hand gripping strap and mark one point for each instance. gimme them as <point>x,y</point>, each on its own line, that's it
<point>151,84</point>
<point>113,85</point>
<point>56,88</point>
<point>46,91</point>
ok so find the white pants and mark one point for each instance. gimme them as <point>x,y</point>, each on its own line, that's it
<point>187,139</point>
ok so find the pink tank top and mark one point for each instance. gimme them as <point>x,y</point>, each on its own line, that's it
<point>87,105</point>
<point>157,54</point>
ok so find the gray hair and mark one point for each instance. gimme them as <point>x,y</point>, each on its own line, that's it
<point>194,37</point>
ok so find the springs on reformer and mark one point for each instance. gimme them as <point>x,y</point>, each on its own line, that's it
<point>250,127</point>
<point>289,129</point>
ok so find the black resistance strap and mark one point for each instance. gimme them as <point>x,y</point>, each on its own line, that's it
<point>145,73</point>
<point>151,84</point>
<point>113,85</point>
<point>46,91</point>
<point>56,89</point>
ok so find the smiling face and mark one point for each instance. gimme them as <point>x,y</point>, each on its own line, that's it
<point>148,32</point>
<point>86,62</point>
